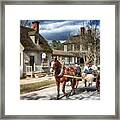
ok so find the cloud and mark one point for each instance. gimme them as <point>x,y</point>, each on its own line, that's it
<point>62,29</point>
<point>61,33</point>
<point>53,25</point>
<point>60,26</point>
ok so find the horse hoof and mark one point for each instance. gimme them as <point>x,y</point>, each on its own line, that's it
<point>57,98</point>
<point>73,93</point>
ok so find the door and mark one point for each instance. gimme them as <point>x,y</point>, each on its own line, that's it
<point>81,61</point>
<point>32,62</point>
<point>78,60</point>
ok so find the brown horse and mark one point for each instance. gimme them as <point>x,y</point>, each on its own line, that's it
<point>72,72</point>
<point>62,79</point>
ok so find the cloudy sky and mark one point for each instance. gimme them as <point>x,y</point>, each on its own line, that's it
<point>61,29</point>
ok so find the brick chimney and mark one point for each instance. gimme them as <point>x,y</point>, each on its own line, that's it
<point>89,32</point>
<point>82,29</point>
<point>35,26</point>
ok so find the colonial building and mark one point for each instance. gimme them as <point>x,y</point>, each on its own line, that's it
<point>66,56</point>
<point>85,46</point>
<point>81,48</point>
<point>34,46</point>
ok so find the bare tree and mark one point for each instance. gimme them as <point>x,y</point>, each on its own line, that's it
<point>91,42</point>
<point>25,23</point>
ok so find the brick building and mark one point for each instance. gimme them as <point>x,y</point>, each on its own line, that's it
<point>81,48</point>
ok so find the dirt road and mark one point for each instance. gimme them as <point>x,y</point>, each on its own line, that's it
<point>82,93</point>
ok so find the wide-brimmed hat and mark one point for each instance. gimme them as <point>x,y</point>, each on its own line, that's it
<point>89,62</point>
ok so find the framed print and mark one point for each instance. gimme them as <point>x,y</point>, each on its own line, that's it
<point>60,60</point>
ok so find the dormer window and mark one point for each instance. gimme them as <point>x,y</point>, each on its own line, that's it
<point>33,39</point>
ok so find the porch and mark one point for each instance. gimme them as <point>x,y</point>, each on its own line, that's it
<point>37,71</point>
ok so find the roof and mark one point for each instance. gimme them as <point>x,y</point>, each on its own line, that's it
<point>73,40</point>
<point>65,53</point>
<point>77,39</point>
<point>27,42</point>
<point>44,44</point>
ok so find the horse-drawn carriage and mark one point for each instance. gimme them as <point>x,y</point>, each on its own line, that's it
<point>74,74</point>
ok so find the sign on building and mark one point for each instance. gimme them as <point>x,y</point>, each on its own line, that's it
<point>43,55</point>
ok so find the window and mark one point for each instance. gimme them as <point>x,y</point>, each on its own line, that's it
<point>85,48</point>
<point>33,39</point>
<point>77,47</point>
<point>69,47</point>
<point>70,59</point>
